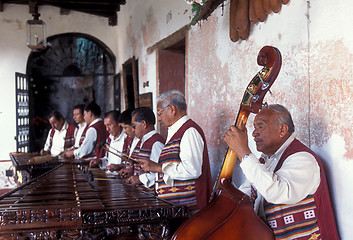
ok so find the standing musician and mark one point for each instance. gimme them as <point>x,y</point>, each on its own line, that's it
<point>114,142</point>
<point>288,183</point>
<point>60,137</point>
<point>149,146</point>
<point>94,133</point>
<point>183,168</point>
<point>81,124</point>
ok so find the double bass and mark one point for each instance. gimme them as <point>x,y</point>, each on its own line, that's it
<point>230,213</point>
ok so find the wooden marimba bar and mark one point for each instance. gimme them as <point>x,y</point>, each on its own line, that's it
<point>65,203</point>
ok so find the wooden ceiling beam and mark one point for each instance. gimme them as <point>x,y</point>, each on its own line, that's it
<point>101,8</point>
<point>33,7</point>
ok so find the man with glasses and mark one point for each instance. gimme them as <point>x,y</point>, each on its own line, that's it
<point>149,146</point>
<point>183,168</point>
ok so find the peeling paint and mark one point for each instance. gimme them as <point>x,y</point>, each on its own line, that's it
<point>19,23</point>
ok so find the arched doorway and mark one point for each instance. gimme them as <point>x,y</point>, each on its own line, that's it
<point>75,69</point>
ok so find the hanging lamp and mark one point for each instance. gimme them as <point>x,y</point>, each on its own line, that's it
<point>36,33</point>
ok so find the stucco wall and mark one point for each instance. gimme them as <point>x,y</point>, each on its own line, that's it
<point>314,82</point>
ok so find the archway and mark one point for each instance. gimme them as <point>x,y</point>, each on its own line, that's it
<point>76,68</point>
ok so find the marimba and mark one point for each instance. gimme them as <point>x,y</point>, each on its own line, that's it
<point>75,202</point>
<point>24,171</point>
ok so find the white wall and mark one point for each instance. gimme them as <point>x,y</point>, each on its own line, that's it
<point>315,82</point>
<point>14,54</point>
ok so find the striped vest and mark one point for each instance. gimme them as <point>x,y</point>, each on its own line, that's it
<point>126,150</point>
<point>127,145</point>
<point>311,218</point>
<point>83,135</point>
<point>69,137</point>
<point>193,193</point>
<point>144,151</point>
<point>107,144</point>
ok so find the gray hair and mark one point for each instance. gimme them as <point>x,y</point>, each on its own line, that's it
<point>282,114</point>
<point>173,97</point>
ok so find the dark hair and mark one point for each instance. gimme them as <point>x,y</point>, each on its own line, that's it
<point>81,107</point>
<point>57,115</point>
<point>114,115</point>
<point>144,113</point>
<point>94,108</point>
<point>125,117</point>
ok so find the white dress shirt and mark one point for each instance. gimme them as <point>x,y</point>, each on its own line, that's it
<point>133,145</point>
<point>298,177</point>
<point>191,155</point>
<point>89,142</point>
<point>78,133</point>
<point>116,146</point>
<point>148,179</point>
<point>58,141</point>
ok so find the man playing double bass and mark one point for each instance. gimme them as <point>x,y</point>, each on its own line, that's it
<point>288,183</point>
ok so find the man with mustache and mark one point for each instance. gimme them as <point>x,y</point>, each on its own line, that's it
<point>183,168</point>
<point>287,184</point>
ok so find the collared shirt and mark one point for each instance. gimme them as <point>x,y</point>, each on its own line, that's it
<point>78,133</point>
<point>148,179</point>
<point>133,145</point>
<point>116,146</point>
<point>298,177</point>
<point>191,154</point>
<point>58,141</point>
<point>89,142</point>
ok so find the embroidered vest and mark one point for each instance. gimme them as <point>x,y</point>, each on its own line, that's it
<point>107,143</point>
<point>83,135</point>
<point>69,137</point>
<point>127,145</point>
<point>193,193</point>
<point>128,164</point>
<point>144,151</point>
<point>311,218</point>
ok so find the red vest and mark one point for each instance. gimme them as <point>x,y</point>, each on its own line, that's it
<point>315,207</point>
<point>102,136</point>
<point>144,151</point>
<point>69,137</point>
<point>180,193</point>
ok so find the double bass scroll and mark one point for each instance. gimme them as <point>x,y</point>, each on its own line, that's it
<point>230,213</point>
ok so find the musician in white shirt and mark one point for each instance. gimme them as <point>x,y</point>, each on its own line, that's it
<point>81,124</point>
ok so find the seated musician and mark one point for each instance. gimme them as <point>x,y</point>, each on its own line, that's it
<point>114,143</point>
<point>94,134</point>
<point>60,137</point>
<point>288,176</point>
<point>81,123</point>
<point>149,146</point>
<point>183,168</point>
<point>129,145</point>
